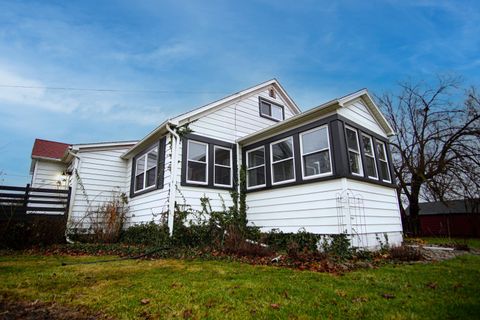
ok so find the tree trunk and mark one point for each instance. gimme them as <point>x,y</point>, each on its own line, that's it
<point>413,225</point>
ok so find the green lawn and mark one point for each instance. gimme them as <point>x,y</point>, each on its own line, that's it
<point>222,290</point>
<point>471,242</point>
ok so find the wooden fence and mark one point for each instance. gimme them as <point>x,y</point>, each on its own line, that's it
<point>22,201</point>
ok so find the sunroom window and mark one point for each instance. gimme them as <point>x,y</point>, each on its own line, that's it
<point>271,110</point>
<point>370,165</point>
<point>282,161</point>
<point>382,157</point>
<point>256,168</point>
<point>223,166</point>
<point>354,158</point>
<point>197,162</point>
<point>315,148</point>
<point>146,170</point>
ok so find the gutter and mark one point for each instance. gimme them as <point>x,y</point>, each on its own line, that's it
<point>76,165</point>
<point>173,178</point>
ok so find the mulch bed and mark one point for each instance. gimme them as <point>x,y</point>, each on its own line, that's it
<point>33,310</point>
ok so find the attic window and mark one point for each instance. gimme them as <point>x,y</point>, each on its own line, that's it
<point>272,93</point>
<point>271,110</point>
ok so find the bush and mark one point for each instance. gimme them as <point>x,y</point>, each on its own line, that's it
<point>405,253</point>
<point>300,241</point>
<point>338,246</point>
<point>146,234</point>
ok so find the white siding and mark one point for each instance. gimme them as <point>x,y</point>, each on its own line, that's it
<point>309,206</point>
<point>367,213</point>
<point>102,175</point>
<point>150,206</point>
<point>379,214</point>
<point>359,113</point>
<point>237,119</point>
<point>47,174</point>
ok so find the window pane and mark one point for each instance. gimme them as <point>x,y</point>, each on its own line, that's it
<point>256,158</point>
<point>370,167</point>
<point>316,163</point>
<point>277,112</point>
<point>139,182</point>
<point>283,171</point>
<point>352,139</point>
<point>197,171</point>
<point>354,161</point>
<point>381,151</point>
<point>265,108</point>
<point>282,150</point>
<point>151,174</point>
<point>197,151</point>
<point>152,158</point>
<point>222,156</point>
<point>222,175</point>
<point>315,140</point>
<point>384,170</point>
<point>256,176</point>
<point>367,145</point>
<point>140,165</point>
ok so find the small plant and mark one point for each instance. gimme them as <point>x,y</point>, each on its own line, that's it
<point>384,245</point>
<point>338,246</point>
<point>405,253</point>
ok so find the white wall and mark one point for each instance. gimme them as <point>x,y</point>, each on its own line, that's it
<point>357,111</point>
<point>102,174</point>
<point>149,206</point>
<point>47,174</point>
<point>238,119</point>
<point>378,214</point>
<point>368,212</point>
<point>228,123</point>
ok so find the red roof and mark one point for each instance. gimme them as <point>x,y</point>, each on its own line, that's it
<point>49,149</point>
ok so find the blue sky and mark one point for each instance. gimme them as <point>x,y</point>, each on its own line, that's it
<point>198,51</point>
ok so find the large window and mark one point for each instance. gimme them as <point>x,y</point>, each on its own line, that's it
<point>354,158</point>
<point>370,165</point>
<point>315,149</point>
<point>271,110</point>
<point>256,168</point>
<point>382,157</point>
<point>222,166</point>
<point>146,170</point>
<point>282,162</point>
<point>197,162</point>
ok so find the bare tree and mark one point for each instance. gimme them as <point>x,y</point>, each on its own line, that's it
<point>436,151</point>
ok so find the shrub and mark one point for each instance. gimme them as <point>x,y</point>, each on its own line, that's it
<point>283,241</point>
<point>146,234</point>
<point>338,246</point>
<point>405,253</point>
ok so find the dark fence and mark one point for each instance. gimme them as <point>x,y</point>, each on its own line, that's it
<point>31,216</point>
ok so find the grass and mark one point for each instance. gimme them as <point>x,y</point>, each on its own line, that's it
<point>471,242</point>
<point>231,290</point>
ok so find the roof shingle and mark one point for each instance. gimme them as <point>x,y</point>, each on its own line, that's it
<point>49,149</point>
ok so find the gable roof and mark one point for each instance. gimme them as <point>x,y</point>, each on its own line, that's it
<point>198,112</point>
<point>322,110</point>
<point>49,149</point>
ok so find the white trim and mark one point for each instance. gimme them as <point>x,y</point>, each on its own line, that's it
<point>283,160</point>
<point>136,174</point>
<point>359,152</point>
<point>206,163</point>
<point>372,155</point>
<point>384,147</point>
<point>223,166</point>
<point>256,167</point>
<point>316,151</point>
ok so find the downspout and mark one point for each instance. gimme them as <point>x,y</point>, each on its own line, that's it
<point>76,165</point>
<point>173,178</point>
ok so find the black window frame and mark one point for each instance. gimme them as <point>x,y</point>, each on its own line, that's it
<point>159,181</point>
<point>210,163</point>
<point>338,153</point>
<point>270,102</point>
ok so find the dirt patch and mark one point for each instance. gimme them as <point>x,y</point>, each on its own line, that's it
<point>27,310</point>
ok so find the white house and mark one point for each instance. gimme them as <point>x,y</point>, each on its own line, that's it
<point>326,170</point>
